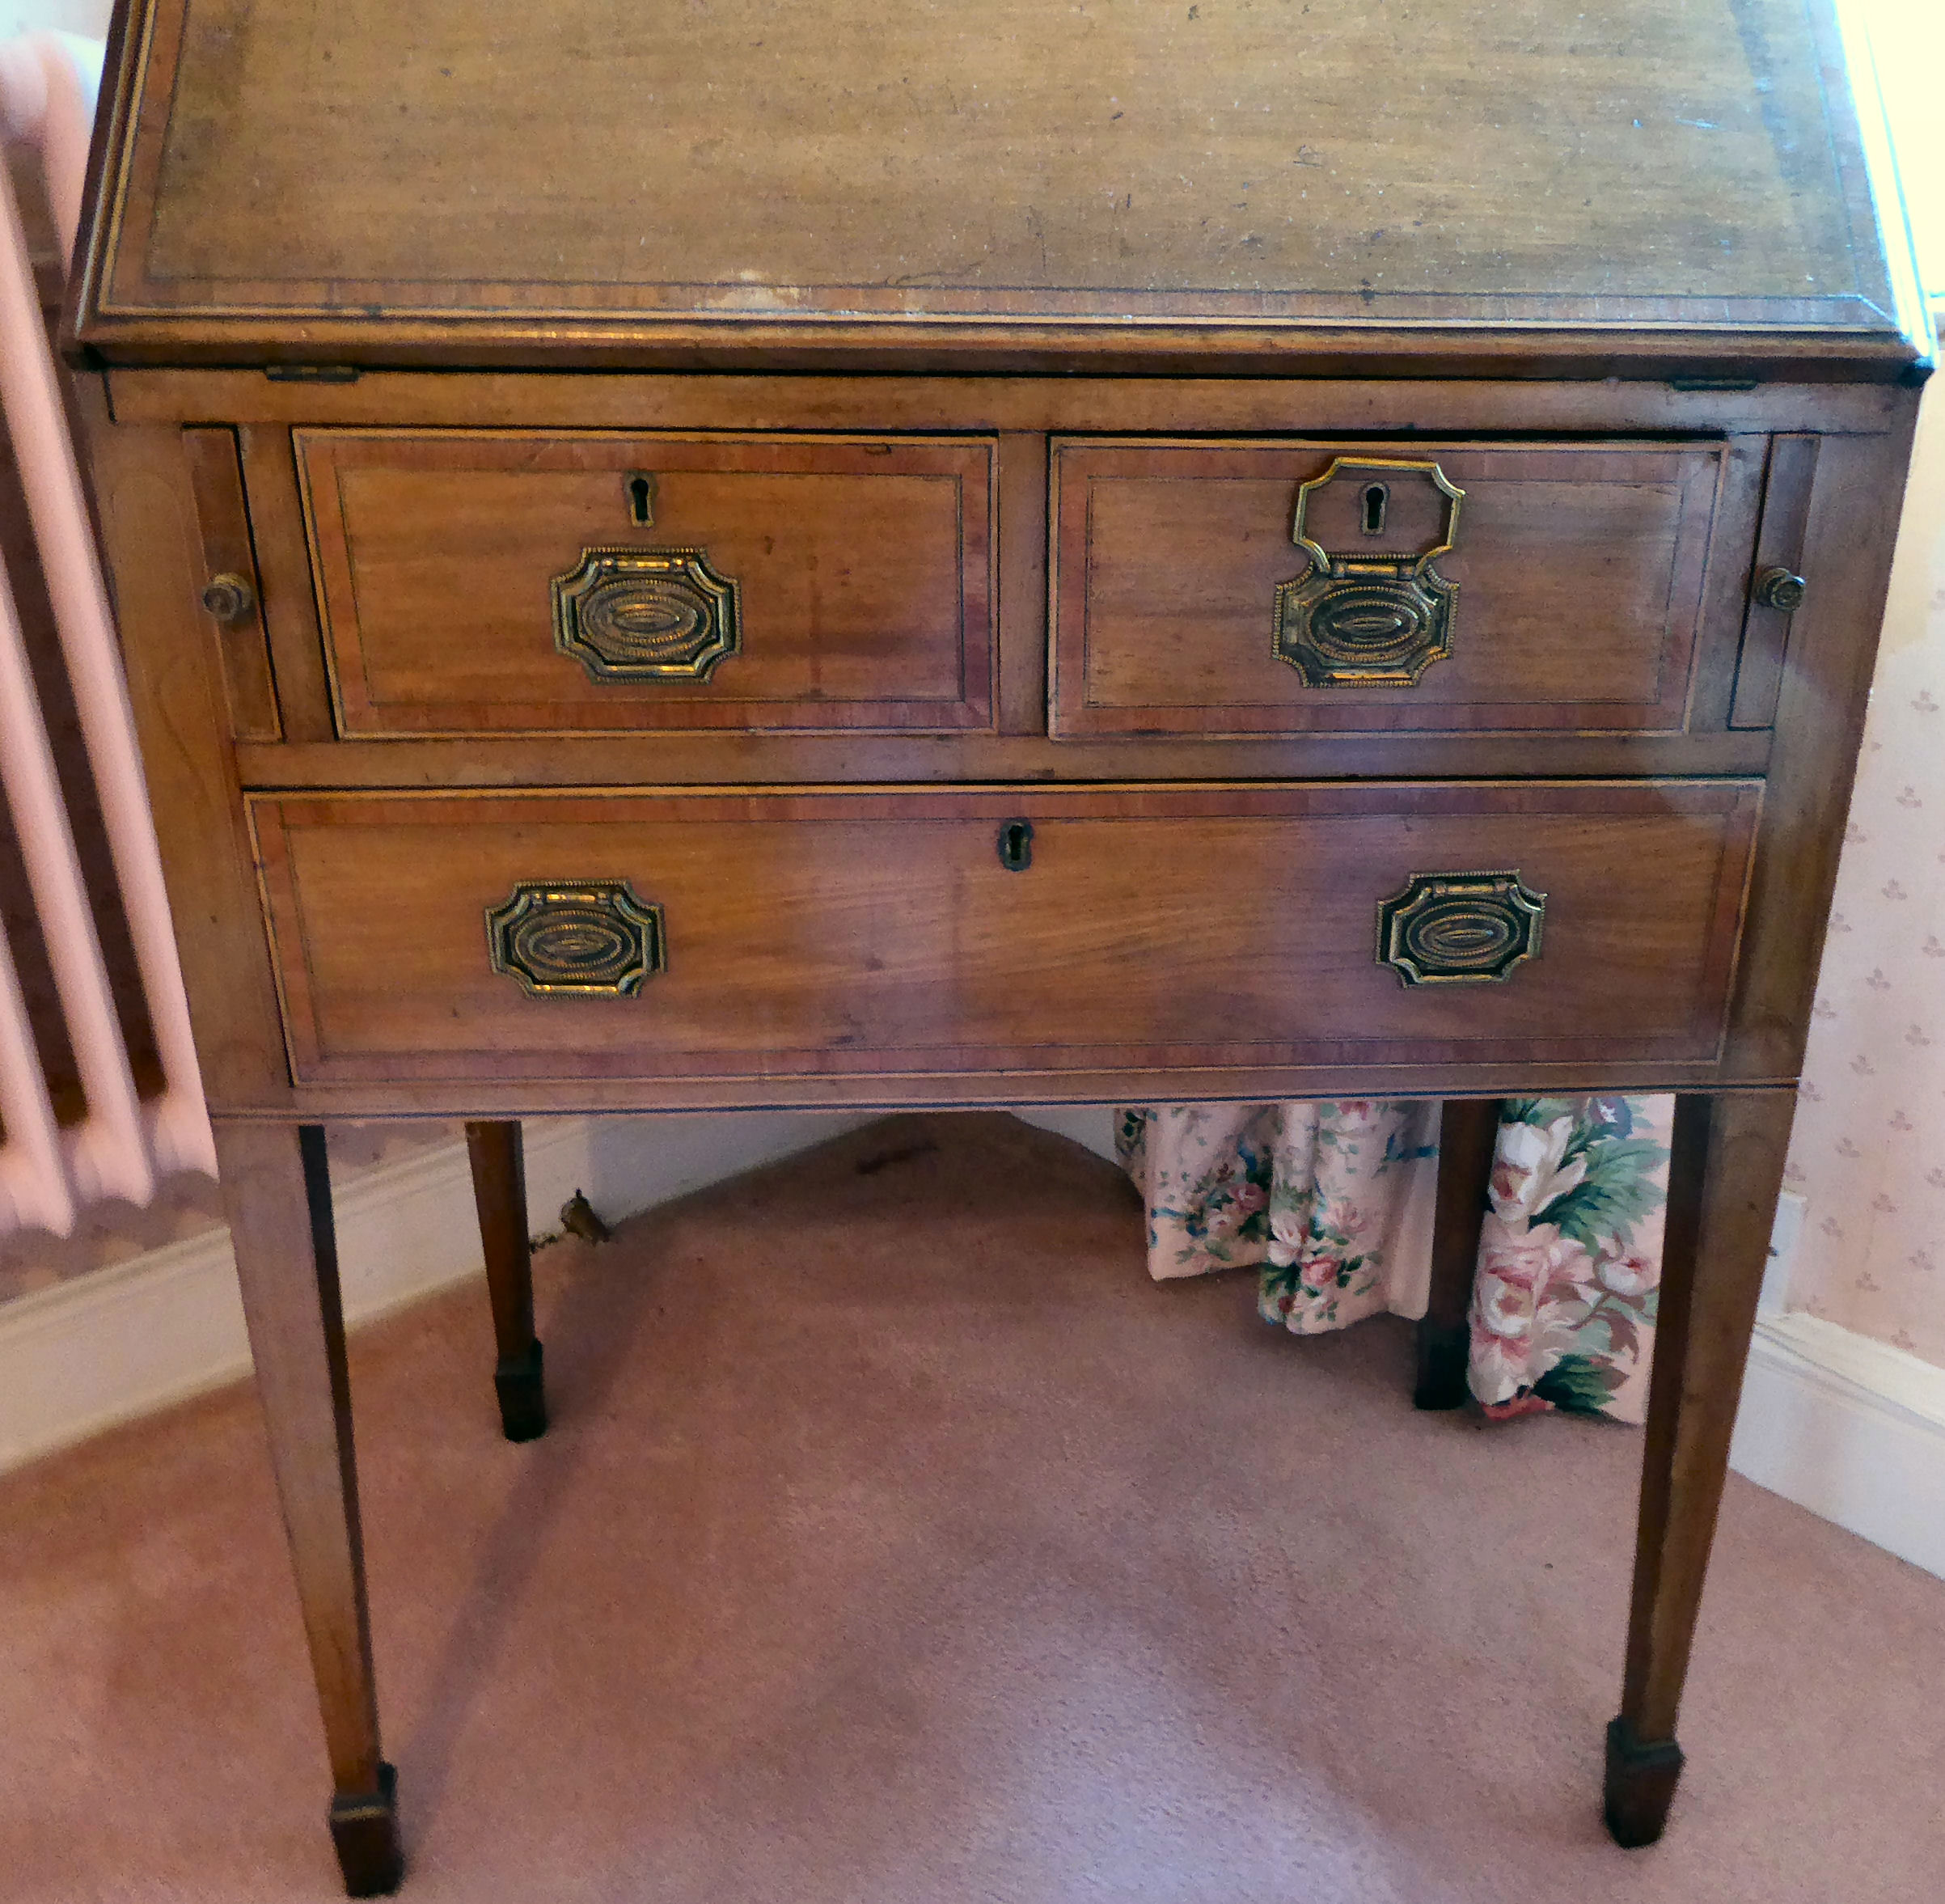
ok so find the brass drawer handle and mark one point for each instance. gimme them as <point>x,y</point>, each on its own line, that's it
<point>1359,617</point>
<point>646,614</point>
<point>1459,929</point>
<point>590,938</point>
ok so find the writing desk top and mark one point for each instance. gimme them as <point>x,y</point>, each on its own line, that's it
<point>469,179</point>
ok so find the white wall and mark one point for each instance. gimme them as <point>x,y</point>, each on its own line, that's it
<point>1910,37</point>
<point>90,17</point>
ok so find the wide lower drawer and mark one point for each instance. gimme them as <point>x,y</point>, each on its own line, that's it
<point>470,581</point>
<point>713,933</point>
<point>1406,586</point>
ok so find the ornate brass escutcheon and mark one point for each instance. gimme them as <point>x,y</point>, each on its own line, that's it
<point>1359,617</point>
<point>646,614</point>
<point>1459,929</point>
<point>589,938</point>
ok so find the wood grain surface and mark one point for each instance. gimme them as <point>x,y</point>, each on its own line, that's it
<point>1725,1168</point>
<point>152,539</point>
<point>843,931</point>
<point>224,517</point>
<point>744,171</point>
<point>1786,520</point>
<point>1090,400</point>
<point>863,569</point>
<point>277,1192</point>
<point>741,155</point>
<point>1579,570</point>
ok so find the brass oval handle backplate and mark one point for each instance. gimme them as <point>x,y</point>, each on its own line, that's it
<point>589,938</point>
<point>229,597</point>
<point>646,615</point>
<point>1459,929</point>
<point>1368,613</point>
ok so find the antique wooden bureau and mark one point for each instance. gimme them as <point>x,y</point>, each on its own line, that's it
<point>967,552</point>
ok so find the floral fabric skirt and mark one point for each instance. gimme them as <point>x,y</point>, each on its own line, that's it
<point>1332,1204</point>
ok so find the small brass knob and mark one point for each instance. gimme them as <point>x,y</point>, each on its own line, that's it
<point>229,597</point>
<point>1778,588</point>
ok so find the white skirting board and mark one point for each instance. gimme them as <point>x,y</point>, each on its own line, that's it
<point>1850,1428</point>
<point>169,1324</point>
<point>85,1355</point>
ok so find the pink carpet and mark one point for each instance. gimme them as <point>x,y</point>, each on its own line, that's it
<point>898,1542</point>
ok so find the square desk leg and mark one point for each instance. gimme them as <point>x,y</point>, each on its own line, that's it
<point>278,1194</point>
<point>500,1195</point>
<point>1725,1171</point>
<point>1469,1139</point>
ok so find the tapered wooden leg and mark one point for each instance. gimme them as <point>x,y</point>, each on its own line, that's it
<point>1725,1172</point>
<point>278,1193</point>
<point>1469,1130</point>
<point>499,1192</point>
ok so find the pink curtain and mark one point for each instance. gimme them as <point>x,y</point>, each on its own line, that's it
<point>1331,1203</point>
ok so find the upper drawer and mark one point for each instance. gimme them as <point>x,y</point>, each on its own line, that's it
<point>1570,593</point>
<point>547,582</point>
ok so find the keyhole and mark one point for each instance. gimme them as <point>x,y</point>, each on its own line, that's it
<point>642,501</point>
<point>1374,499</point>
<point>1016,845</point>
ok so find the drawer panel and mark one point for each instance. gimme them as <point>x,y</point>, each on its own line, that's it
<point>1579,570</point>
<point>852,576</point>
<point>846,932</point>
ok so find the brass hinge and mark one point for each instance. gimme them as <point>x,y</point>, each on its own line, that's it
<point>313,373</point>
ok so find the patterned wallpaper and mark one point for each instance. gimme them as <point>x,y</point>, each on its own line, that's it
<point>1869,1147</point>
